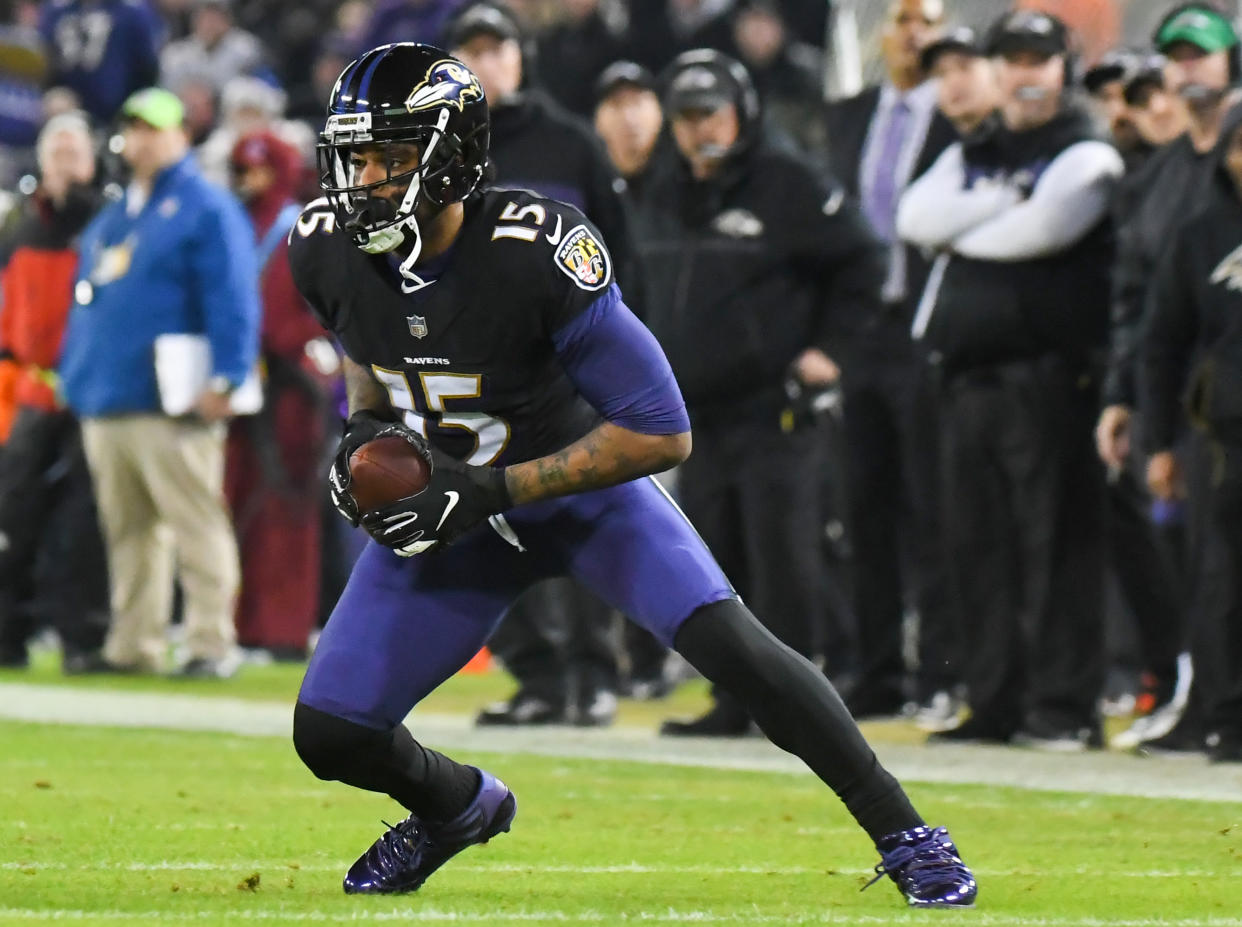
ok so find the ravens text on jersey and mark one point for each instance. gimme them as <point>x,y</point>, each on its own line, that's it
<point>468,358</point>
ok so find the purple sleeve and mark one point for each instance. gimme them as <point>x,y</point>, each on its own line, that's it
<point>620,369</point>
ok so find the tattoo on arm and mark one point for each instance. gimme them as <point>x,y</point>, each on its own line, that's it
<point>363,391</point>
<point>606,456</point>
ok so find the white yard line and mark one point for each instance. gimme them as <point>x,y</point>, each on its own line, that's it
<point>432,915</point>
<point>1095,772</point>
<point>280,866</point>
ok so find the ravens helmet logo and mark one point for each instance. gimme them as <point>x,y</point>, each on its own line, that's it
<point>448,83</point>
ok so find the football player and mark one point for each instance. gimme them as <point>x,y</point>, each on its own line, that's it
<point>483,326</point>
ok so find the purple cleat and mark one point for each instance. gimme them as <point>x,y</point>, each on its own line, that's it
<point>403,859</point>
<point>928,870</point>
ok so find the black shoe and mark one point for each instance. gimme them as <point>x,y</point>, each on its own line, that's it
<point>1224,746</point>
<point>206,668</point>
<point>13,659</point>
<point>522,708</point>
<point>89,662</point>
<point>720,721</point>
<point>975,730</point>
<point>866,702</point>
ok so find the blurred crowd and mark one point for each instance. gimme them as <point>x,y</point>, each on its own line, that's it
<point>960,351</point>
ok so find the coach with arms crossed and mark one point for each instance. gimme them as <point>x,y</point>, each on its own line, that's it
<point>1014,307</point>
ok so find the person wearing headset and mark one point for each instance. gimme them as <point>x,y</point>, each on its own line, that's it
<point>753,268</point>
<point>1017,216</point>
<point>1202,65</point>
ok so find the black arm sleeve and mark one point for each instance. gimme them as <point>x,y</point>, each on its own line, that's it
<point>1166,343</point>
<point>1129,291</point>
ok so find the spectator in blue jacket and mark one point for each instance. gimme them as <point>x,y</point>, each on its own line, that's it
<point>174,255</point>
<point>102,50</point>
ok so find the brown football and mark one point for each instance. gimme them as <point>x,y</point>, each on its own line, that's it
<point>385,470</point>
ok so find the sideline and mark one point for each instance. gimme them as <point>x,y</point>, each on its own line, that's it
<point>1097,772</point>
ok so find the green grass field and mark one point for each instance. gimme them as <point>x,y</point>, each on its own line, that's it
<point>120,826</point>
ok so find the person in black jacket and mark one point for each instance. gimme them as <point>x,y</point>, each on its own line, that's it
<point>555,640</point>
<point>1128,89</point>
<point>752,263</point>
<point>877,142</point>
<point>1203,62</point>
<point>1014,307</point>
<point>1191,344</point>
<point>629,121</point>
<point>1105,83</point>
<point>1202,51</point>
<point>965,83</point>
<point>788,74</point>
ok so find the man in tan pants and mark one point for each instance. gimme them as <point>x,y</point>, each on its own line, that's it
<point>160,487</point>
<point>174,256</point>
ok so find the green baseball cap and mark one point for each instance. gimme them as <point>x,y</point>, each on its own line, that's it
<point>155,106</point>
<point>1202,27</point>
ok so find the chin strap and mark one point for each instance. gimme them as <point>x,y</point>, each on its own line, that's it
<point>385,240</point>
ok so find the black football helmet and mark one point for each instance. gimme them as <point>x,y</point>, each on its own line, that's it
<point>409,94</point>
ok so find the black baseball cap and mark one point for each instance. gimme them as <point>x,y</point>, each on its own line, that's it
<point>622,74</point>
<point>478,19</point>
<point>1148,71</point>
<point>958,39</point>
<point>699,87</point>
<point>1028,30</point>
<point>1113,65</point>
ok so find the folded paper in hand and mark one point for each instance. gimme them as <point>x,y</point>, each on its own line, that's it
<point>182,369</point>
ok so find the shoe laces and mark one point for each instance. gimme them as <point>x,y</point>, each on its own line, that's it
<point>402,843</point>
<point>931,862</point>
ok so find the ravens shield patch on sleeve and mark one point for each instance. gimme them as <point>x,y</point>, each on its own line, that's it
<point>583,258</point>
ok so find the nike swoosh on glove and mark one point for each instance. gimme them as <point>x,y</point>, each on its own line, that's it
<point>362,427</point>
<point>458,498</point>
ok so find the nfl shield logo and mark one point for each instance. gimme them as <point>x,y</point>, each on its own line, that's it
<point>418,325</point>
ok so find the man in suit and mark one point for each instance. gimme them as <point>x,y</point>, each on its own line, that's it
<point>878,141</point>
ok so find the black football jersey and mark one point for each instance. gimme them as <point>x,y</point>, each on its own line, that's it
<point>468,359</point>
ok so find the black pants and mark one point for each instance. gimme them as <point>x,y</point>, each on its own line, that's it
<point>53,566</point>
<point>1216,631</point>
<point>557,642</point>
<point>753,494</point>
<point>1145,574</point>
<point>892,452</point>
<point>1024,512</point>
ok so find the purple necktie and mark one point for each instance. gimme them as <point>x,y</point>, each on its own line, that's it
<point>881,206</point>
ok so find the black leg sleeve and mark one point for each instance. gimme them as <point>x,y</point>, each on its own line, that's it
<point>426,782</point>
<point>797,708</point>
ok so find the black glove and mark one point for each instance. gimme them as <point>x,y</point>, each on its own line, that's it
<point>363,426</point>
<point>458,498</point>
<point>807,405</point>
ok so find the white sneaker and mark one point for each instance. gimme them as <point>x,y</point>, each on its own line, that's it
<point>942,712</point>
<point>1164,718</point>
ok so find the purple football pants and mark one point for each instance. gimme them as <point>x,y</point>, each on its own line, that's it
<point>404,625</point>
